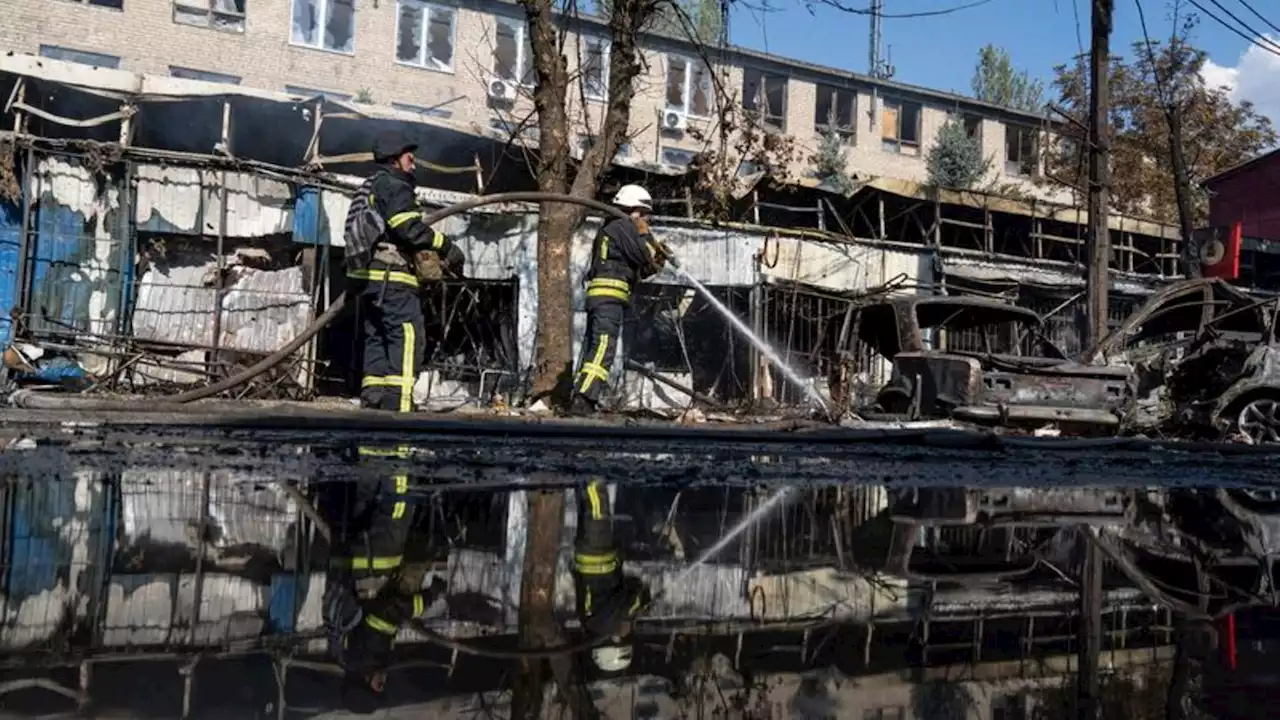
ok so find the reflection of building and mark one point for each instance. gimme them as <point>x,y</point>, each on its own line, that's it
<point>471,63</point>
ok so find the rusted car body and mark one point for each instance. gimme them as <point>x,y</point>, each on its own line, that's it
<point>1205,360</point>
<point>985,361</point>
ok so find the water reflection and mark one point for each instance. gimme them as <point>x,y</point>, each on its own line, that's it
<point>846,600</point>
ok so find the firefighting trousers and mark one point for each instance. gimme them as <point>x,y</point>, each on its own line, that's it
<point>392,327</point>
<point>597,567</point>
<point>370,519</point>
<point>599,347</point>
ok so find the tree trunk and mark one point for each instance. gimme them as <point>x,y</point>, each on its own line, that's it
<point>1182,193</point>
<point>537,599</point>
<point>553,358</point>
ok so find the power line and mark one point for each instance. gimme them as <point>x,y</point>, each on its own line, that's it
<point>1259,15</point>
<point>1252,39</point>
<point>838,5</point>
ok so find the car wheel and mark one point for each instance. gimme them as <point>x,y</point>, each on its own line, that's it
<point>1259,421</point>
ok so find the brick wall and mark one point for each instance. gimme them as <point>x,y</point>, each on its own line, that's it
<point>146,38</point>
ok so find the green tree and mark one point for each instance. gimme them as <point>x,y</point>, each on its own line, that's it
<point>1215,132</point>
<point>955,160</point>
<point>698,20</point>
<point>995,80</point>
<point>831,163</point>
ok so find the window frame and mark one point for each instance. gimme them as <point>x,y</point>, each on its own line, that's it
<point>177,71</point>
<point>664,149</point>
<point>845,132</point>
<point>1022,167</point>
<point>896,143</point>
<point>977,132</point>
<point>760,117</point>
<point>425,61</point>
<point>525,76</point>
<point>85,55</point>
<point>330,95</point>
<point>210,13</point>
<point>325,16</point>
<point>606,47</point>
<point>687,108</point>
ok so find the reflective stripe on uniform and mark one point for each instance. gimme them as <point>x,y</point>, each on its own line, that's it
<point>401,218</point>
<point>400,452</point>
<point>437,239</point>
<point>609,288</point>
<point>419,605</point>
<point>402,487</point>
<point>594,369</point>
<point>594,501</point>
<point>394,276</point>
<point>380,625</point>
<point>604,248</point>
<point>596,563</point>
<point>390,562</point>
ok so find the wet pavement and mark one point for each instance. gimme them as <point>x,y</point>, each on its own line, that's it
<point>909,573</point>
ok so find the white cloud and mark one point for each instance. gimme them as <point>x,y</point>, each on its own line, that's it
<point>1253,78</point>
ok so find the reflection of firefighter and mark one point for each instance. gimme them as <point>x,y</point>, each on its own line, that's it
<point>384,235</point>
<point>608,601</point>
<point>624,253</point>
<point>364,603</point>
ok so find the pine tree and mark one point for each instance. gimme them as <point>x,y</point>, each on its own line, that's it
<point>831,161</point>
<point>955,160</point>
<point>995,80</point>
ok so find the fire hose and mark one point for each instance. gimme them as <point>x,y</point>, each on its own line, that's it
<point>50,401</point>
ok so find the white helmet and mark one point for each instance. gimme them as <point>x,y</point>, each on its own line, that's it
<point>633,196</point>
<point>612,658</point>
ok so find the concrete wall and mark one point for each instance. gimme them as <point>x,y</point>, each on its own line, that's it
<point>144,37</point>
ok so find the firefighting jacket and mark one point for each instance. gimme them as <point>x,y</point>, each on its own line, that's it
<point>621,256</point>
<point>606,598</point>
<point>391,196</point>
<point>368,646</point>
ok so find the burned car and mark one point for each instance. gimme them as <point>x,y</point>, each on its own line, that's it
<point>985,361</point>
<point>1205,361</point>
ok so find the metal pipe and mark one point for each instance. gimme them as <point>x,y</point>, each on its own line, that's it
<point>656,377</point>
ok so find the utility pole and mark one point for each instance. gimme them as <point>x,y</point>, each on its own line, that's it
<point>873,61</point>
<point>1097,285</point>
<point>1099,249</point>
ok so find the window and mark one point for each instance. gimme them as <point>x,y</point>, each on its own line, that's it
<point>425,35</point>
<point>113,4</point>
<point>311,92</point>
<point>765,96</point>
<point>512,54</point>
<point>900,127</point>
<point>584,142</point>
<point>424,111</point>
<point>217,14</point>
<point>595,67</point>
<point>325,24</point>
<point>676,156</point>
<point>205,75</point>
<point>527,130</point>
<point>689,87</point>
<point>1021,150</point>
<point>83,57</point>
<point>833,110</point>
<point>973,127</point>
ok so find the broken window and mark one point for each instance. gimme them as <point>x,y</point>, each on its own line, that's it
<point>833,110</point>
<point>1021,150</point>
<point>973,127</point>
<point>900,127</point>
<point>689,86</point>
<point>84,57</point>
<point>677,157</point>
<point>765,96</point>
<point>512,53</point>
<point>204,75</point>
<point>424,35</point>
<point>225,15</point>
<point>325,24</point>
<point>424,111</point>
<point>595,67</point>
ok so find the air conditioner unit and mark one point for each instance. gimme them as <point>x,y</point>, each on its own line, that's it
<point>674,121</point>
<point>500,89</point>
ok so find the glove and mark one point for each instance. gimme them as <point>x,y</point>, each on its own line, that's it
<point>620,608</point>
<point>340,609</point>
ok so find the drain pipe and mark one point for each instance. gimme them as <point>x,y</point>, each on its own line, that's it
<point>53,401</point>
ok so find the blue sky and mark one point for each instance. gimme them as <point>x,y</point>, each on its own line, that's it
<point>939,52</point>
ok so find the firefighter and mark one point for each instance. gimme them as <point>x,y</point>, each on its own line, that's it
<point>607,599</point>
<point>384,232</point>
<point>624,253</point>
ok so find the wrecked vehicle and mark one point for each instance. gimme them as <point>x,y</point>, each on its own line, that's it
<point>989,362</point>
<point>1205,361</point>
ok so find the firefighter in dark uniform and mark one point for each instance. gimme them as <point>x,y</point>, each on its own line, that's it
<point>384,233</point>
<point>608,600</point>
<point>624,253</point>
